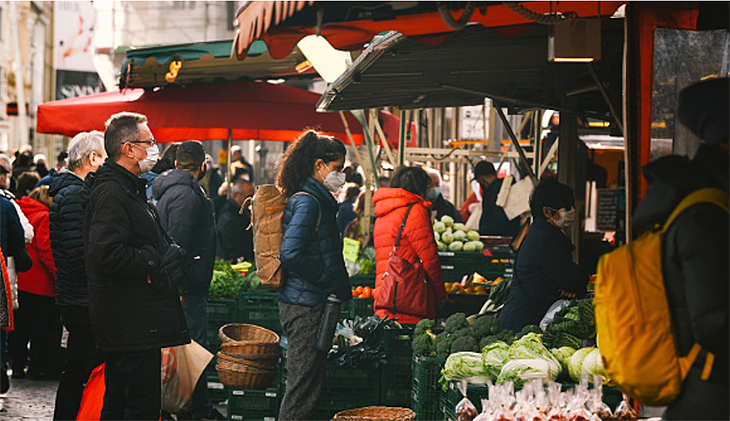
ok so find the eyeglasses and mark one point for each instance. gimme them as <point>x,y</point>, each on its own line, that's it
<point>145,142</point>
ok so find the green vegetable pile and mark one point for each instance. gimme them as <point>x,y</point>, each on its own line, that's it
<point>458,335</point>
<point>454,236</point>
<point>571,326</point>
<point>582,362</point>
<point>366,261</point>
<point>227,282</point>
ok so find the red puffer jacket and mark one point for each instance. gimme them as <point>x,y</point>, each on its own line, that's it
<point>41,278</point>
<point>417,240</point>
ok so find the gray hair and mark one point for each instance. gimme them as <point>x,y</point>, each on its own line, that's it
<point>81,147</point>
<point>120,128</point>
<point>5,162</point>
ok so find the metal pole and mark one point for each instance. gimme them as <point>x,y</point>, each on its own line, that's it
<point>360,116</point>
<point>516,143</point>
<point>229,177</point>
<point>402,138</point>
<point>379,130</point>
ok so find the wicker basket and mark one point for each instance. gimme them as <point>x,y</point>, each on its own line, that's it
<point>240,332</point>
<point>251,350</point>
<point>260,363</point>
<point>376,413</point>
<point>233,374</point>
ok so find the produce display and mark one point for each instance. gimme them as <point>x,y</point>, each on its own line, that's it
<point>363,292</point>
<point>571,326</point>
<point>475,284</point>
<point>538,402</point>
<point>455,237</point>
<point>359,342</point>
<point>230,280</point>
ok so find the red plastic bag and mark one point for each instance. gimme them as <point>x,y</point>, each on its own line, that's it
<point>93,398</point>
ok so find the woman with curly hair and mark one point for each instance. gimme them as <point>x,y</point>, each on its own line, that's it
<point>311,255</point>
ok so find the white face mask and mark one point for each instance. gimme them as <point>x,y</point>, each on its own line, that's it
<point>565,218</point>
<point>334,180</point>
<point>145,165</point>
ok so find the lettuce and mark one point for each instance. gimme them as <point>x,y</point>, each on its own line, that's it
<point>593,365</point>
<point>464,366</point>
<point>494,356</point>
<point>530,347</point>
<point>575,366</point>
<point>563,355</point>
<point>523,370</point>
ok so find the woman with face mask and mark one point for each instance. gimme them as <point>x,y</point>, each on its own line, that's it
<point>544,268</point>
<point>311,255</point>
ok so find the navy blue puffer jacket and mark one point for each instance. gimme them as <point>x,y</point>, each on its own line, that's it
<point>311,256</point>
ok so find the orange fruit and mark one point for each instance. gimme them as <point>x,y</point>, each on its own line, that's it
<point>367,292</point>
<point>358,290</point>
<point>354,293</point>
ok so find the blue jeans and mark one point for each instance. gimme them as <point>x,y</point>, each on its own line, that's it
<point>195,308</point>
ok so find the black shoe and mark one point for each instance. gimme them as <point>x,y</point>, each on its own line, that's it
<point>4,380</point>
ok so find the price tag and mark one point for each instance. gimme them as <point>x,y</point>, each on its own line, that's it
<point>350,249</point>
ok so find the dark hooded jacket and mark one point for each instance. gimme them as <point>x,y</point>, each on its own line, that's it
<point>235,239</point>
<point>124,243</point>
<point>311,255</point>
<point>494,221</point>
<point>543,267</point>
<point>67,243</point>
<point>695,268</point>
<point>187,216</point>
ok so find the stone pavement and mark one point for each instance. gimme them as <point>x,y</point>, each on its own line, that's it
<point>28,400</point>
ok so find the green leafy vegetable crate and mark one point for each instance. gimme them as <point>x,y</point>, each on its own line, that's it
<point>425,388</point>
<point>397,342</point>
<point>260,309</point>
<point>253,404</point>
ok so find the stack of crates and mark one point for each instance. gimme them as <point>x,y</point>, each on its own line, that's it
<point>425,388</point>
<point>220,312</point>
<point>260,309</point>
<point>397,376</point>
<point>254,405</point>
<point>456,264</point>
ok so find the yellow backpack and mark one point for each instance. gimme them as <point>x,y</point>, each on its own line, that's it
<point>632,315</point>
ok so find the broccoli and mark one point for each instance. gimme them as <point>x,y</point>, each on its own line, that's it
<point>423,345</point>
<point>529,329</point>
<point>506,336</point>
<point>443,349</point>
<point>484,326</point>
<point>456,322</point>
<point>461,333</point>
<point>488,340</point>
<point>465,344</point>
<point>425,326</point>
<point>440,337</point>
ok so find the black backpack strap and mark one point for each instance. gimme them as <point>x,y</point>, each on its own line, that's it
<point>402,226</point>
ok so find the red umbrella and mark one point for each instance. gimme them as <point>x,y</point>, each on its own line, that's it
<point>250,110</point>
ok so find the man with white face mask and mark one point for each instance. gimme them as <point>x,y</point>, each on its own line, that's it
<point>133,314</point>
<point>85,154</point>
<point>544,268</point>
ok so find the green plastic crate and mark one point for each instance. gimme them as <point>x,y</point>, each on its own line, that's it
<point>222,311</point>
<point>455,265</point>
<point>425,388</point>
<point>260,309</point>
<point>217,392</point>
<point>363,281</point>
<point>397,342</point>
<point>396,380</point>
<point>253,404</point>
<point>362,307</point>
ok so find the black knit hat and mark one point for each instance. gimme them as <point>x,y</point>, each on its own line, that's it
<point>703,108</point>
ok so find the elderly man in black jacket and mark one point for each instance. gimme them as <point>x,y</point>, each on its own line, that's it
<point>86,154</point>
<point>132,315</point>
<point>695,249</point>
<point>187,216</point>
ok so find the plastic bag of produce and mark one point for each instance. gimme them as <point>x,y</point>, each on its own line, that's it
<point>465,366</point>
<point>181,369</point>
<point>465,410</point>
<point>624,411</point>
<point>552,311</point>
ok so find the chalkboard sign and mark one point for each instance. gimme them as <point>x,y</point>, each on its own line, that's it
<point>606,209</point>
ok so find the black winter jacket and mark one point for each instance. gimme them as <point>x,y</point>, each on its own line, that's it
<point>123,242</point>
<point>444,207</point>
<point>234,239</point>
<point>187,216</point>
<point>67,242</point>
<point>12,237</point>
<point>695,267</point>
<point>311,256</point>
<point>494,221</point>
<point>543,266</point>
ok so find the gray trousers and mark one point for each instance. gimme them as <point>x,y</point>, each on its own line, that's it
<point>304,364</point>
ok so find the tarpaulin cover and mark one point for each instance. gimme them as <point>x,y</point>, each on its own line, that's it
<point>252,110</point>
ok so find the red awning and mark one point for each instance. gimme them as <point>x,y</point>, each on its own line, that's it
<point>255,22</point>
<point>252,110</point>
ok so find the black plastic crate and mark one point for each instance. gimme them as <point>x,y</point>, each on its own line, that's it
<point>362,307</point>
<point>260,309</point>
<point>363,281</point>
<point>397,342</point>
<point>253,404</point>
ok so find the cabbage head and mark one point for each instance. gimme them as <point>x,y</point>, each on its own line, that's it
<point>575,366</point>
<point>530,347</point>
<point>460,236</point>
<point>563,355</point>
<point>523,370</point>
<point>456,246</point>
<point>447,220</point>
<point>593,365</point>
<point>470,246</point>
<point>465,366</point>
<point>494,356</point>
<point>447,238</point>
<point>441,246</point>
<point>439,227</point>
